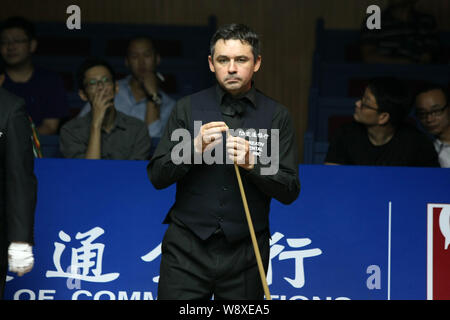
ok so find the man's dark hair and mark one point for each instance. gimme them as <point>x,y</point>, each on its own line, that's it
<point>429,86</point>
<point>90,63</point>
<point>393,97</point>
<point>236,31</point>
<point>20,23</point>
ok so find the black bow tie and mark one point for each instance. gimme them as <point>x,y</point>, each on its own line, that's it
<point>234,106</point>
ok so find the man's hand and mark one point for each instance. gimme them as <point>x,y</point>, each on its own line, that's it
<point>99,106</point>
<point>149,83</point>
<point>238,150</point>
<point>209,136</point>
<point>20,258</point>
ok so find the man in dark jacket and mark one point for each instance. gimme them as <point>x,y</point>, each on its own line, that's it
<point>18,187</point>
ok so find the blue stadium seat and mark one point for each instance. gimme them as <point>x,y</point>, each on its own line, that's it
<point>50,146</point>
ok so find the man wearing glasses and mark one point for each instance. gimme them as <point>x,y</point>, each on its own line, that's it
<point>104,132</point>
<point>432,110</point>
<point>43,90</point>
<point>379,135</point>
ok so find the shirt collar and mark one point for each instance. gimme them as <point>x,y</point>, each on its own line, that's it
<point>230,105</point>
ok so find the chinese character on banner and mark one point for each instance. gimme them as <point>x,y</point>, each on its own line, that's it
<point>297,255</point>
<point>275,250</point>
<point>152,255</point>
<point>86,260</point>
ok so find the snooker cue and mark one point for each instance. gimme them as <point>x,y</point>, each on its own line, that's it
<point>253,236</point>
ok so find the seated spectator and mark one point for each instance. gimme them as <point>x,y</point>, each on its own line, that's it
<point>43,90</point>
<point>104,132</point>
<point>379,135</point>
<point>139,95</point>
<point>432,111</point>
<point>406,36</point>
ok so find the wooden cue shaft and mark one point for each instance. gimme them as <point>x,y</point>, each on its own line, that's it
<point>253,236</point>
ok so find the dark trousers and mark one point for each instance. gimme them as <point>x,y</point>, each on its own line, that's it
<point>192,268</point>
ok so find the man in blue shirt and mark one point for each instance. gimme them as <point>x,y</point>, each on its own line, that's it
<point>139,95</point>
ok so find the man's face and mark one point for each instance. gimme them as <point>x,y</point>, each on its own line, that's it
<point>366,109</point>
<point>432,111</point>
<point>234,65</point>
<point>141,58</point>
<point>96,80</point>
<point>15,46</point>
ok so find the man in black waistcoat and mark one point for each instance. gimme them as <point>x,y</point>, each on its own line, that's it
<point>17,188</point>
<point>207,249</point>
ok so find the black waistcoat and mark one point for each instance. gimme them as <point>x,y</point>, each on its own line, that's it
<point>208,196</point>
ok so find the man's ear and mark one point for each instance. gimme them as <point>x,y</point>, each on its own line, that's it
<point>157,60</point>
<point>33,45</point>
<point>211,64</point>
<point>116,88</point>
<point>384,118</point>
<point>82,95</point>
<point>257,63</point>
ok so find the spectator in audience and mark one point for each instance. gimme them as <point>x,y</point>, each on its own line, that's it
<point>43,90</point>
<point>104,132</point>
<point>406,36</point>
<point>139,94</point>
<point>432,111</point>
<point>379,134</point>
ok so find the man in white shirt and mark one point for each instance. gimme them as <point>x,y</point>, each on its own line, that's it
<point>433,112</point>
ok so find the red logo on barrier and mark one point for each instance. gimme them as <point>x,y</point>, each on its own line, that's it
<point>438,252</point>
